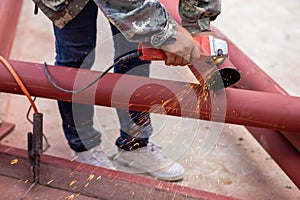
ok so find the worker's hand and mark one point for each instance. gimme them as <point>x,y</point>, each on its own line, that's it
<point>183,51</point>
<point>198,34</point>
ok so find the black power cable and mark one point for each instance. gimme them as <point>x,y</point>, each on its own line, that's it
<point>119,60</point>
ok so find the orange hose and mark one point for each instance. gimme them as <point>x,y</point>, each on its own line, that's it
<point>19,82</point>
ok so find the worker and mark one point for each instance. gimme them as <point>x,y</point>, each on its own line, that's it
<point>74,23</point>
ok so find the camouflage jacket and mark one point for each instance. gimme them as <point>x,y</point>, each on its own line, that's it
<point>139,20</point>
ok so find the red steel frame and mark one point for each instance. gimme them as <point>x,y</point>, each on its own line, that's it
<point>256,79</point>
<point>255,104</point>
<point>108,92</point>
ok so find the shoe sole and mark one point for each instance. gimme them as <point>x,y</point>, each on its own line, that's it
<point>126,163</point>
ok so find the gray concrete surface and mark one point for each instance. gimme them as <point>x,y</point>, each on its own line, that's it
<point>269,32</point>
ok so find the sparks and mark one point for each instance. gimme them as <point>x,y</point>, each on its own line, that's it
<point>73,182</point>
<point>91,177</point>
<point>14,161</point>
<point>72,196</point>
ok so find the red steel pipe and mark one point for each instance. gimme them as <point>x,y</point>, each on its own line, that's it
<point>243,107</point>
<point>254,78</point>
<point>280,149</point>
<point>9,15</point>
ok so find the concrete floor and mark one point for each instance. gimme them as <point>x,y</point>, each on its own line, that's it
<point>237,166</point>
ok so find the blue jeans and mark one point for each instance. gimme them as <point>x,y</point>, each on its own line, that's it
<point>75,45</point>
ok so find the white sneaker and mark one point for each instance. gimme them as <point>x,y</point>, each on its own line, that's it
<point>95,156</point>
<point>150,159</point>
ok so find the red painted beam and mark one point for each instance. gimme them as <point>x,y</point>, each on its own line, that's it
<point>95,182</point>
<point>9,15</point>
<point>254,78</point>
<point>5,129</point>
<point>241,107</point>
<point>281,150</point>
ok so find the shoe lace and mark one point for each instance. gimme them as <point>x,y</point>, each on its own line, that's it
<point>99,154</point>
<point>97,151</point>
<point>157,151</point>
